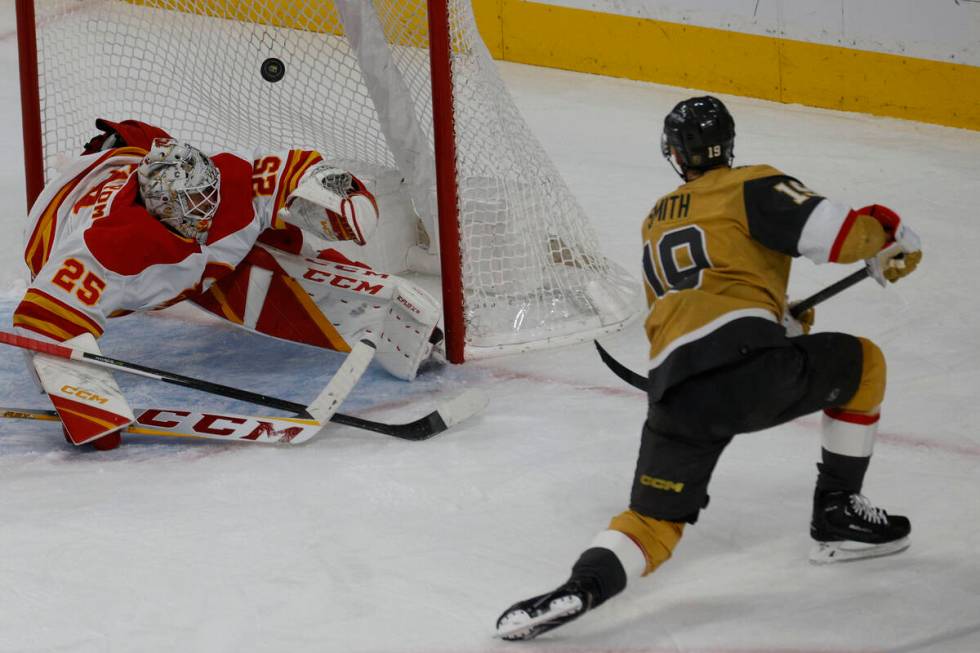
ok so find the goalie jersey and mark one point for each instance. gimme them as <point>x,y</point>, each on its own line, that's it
<point>716,262</point>
<point>95,252</point>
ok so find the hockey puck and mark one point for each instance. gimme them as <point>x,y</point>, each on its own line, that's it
<point>273,69</point>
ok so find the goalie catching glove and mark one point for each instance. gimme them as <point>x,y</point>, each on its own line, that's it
<point>333,204</point>
<point>902,251</point>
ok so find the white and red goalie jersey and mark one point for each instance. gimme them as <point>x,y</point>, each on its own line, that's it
<point>95,252</point>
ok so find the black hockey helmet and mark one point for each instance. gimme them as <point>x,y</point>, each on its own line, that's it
<point>702,134</point>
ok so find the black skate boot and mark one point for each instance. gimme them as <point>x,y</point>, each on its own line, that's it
<point>528,619</point>
<point>846,526</point>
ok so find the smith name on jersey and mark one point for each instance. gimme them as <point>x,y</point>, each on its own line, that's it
<point>716,261</point>
<point>95,252</point>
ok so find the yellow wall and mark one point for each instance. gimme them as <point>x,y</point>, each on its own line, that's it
<point>279,14</point>
<point>731,62</point>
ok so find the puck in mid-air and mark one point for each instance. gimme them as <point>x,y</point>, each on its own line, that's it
<point>273,69</point>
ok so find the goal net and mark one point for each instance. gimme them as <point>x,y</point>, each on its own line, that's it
<point>352,79</point>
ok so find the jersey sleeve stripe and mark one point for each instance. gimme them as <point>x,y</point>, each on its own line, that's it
<point>44,328</point>
<point>281,193</point>
<point>297,163</point>
<point>329,331</point>
<point>50,325</point>
<point>39,244</point>
<point>55,305</point>
<point>43,313</point>
<point>824,231</point>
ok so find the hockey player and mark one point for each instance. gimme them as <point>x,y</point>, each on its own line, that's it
<point>141,221</point>
<point>716,262</point>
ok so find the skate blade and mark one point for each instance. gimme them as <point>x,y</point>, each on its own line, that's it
<point>518,630</point>
<point>824,553</point>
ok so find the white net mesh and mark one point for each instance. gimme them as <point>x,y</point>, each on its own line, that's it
<point>357,88</point>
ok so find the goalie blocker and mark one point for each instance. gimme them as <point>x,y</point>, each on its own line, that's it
<point>87,399</point>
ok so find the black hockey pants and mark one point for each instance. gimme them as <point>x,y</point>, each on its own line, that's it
<point>686,431</point>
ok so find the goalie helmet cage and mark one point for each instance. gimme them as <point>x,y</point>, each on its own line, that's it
<point>374,85</point>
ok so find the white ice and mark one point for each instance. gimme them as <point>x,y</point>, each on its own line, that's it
<point>362,543</point>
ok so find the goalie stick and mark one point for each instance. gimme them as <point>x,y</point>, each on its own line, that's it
<point>639,381</point>
<point>444,417</point>
<point>321,410</point>
<point>174,423</point>
<point>354,365</point>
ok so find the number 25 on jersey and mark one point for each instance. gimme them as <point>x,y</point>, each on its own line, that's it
<point>681,255</point>
<point>72,277</point>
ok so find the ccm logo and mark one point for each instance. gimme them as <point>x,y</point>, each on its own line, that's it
<point>223,425</point>
<point>340,281</point>
<point>407,304</point>
<point>661,484</point>
<point>83,394</point>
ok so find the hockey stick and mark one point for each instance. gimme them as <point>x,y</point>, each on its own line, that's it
<point>211,425</point>
<point>833,289</point>
<point>626,374</point>
<point>444,417</point>
<point>639,381</point>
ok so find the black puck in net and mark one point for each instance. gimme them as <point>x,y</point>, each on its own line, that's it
<point>273,69</point>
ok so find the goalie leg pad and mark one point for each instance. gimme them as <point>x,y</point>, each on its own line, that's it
<point>406,334</point>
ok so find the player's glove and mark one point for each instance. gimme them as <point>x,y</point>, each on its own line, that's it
<point>798,326</point>
<point>902,251</point>
<point>332,203</point>
<point>122,134</point>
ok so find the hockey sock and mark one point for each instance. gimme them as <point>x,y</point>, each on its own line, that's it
<point>848,439</point>
<point>840,472</point>
<point>600,566</point>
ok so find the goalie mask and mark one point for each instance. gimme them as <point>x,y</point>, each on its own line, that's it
<point>180,187</point>
<point>699,134</point>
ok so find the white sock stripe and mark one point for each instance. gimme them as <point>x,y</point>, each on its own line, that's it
<point>625,549</point>
<point>848,438</point>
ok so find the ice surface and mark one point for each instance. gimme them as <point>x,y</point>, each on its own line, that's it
<point>361,543</point>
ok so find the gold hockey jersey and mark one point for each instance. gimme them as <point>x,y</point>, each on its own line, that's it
<point>716,262</point>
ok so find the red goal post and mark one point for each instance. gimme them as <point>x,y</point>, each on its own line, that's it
<point>402,92</point>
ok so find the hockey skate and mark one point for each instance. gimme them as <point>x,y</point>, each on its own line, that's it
<point>846,526</point>
<point>528,619</point>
